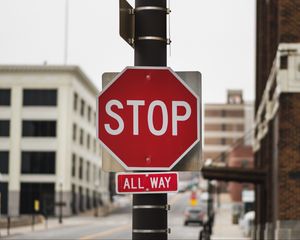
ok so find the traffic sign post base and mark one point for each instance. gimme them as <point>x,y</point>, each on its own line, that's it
<point>150,217</point>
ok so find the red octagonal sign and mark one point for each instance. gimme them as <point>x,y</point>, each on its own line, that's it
<point>148,118</point>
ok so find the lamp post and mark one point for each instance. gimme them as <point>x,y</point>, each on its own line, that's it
<point>97,184</point>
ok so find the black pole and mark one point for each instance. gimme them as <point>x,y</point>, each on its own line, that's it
<point>60,204</point>
<point>33,221</point>
<point>149,217</point>
<point>8,225</point>
<point>210,206</point>
<point>150,23</point>
<point>46,220</point>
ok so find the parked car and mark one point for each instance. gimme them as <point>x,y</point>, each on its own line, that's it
<point>194,215</point>
<point>247,223</point>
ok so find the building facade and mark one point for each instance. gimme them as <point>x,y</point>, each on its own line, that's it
<point>277,133</point>
<point>227,125</point>
<point>240,157</point>
<point>48,146</point>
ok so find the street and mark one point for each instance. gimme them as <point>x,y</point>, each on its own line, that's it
<point>115,226</point>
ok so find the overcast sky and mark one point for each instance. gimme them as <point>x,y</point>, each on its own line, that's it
<point>215,37</point>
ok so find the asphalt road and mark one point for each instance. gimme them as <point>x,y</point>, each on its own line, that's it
<point>117,225</point>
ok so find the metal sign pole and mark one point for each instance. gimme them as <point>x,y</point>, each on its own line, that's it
<point>0,209</point>
<point>149,212</point>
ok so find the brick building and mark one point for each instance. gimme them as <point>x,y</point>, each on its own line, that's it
<point>225,125</point>
<point>240,157</point>
<point>277,134</point>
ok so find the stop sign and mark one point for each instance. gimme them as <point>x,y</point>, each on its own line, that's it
<point>148,118</point>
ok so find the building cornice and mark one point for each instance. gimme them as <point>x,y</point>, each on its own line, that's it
<point>72,69</point>
<point>280,80</point>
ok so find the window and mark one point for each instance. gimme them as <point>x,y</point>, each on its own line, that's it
<point>212,141</point>
<point>88,200</point>
<point>4,97</point>
<point>94,199</point>
<point>94,174</point>
<point>99,176</point>
<point>94,145</point>
<point>223,157</point>
<point>213,127</point>
<point>81,207</point>
<point>74,131</point>
<point>244,163</point>
<point>87,171</point>
<point>80,168</point>
<point>4,128</point>
<point>39,129</point>
<point>89,113</point>
<point>73,165</point>
<point>39,97</point>
<point>213,113</point>
<point>284,62</point>
<point>4,197</point>
<point>81,137</point>
<point>74,200</point>
<point>88,141</point>
<point>4,162</point>
<point>38,162</point>
<point>234,113</point>
<point>82,107</point>
<point>75,102</point>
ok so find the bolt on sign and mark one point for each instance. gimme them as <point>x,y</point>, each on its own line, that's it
<point>148,118</point>
<point>146,182</point>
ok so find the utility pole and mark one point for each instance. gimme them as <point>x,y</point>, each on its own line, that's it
<point>149,214</point>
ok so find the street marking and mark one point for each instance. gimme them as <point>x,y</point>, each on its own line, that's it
<point>105,233</point>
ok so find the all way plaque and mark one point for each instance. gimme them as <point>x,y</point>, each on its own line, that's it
<point>162,182</point>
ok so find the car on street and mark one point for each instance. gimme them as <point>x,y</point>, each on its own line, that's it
<point>194,215</point>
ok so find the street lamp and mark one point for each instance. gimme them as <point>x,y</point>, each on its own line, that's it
<point>97,184</point>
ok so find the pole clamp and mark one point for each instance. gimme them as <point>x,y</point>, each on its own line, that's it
<point>168,230</point>
<point>154,38</point>
<point>155,8</point>
<point>164,207</point>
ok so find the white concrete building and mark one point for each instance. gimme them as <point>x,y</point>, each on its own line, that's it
<point>48,140</point>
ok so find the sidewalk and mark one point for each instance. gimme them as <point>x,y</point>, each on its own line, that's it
<point>223,227</point>
<point>52,223</point>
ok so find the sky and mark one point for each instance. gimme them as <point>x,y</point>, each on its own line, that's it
<point>215,37</point>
